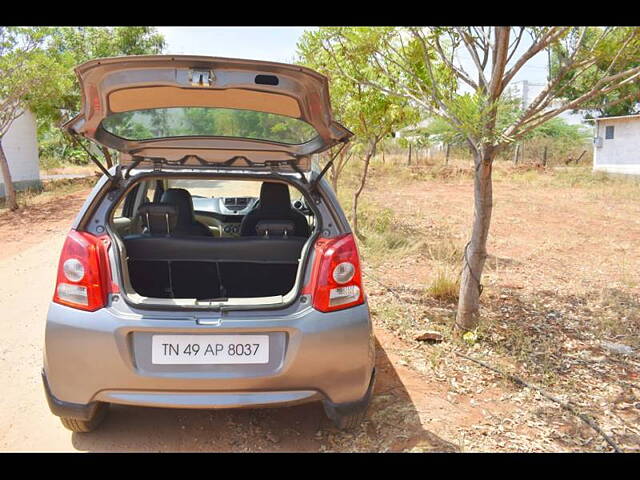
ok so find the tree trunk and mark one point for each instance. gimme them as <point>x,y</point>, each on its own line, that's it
<point>544,157</point>
<point>9,190</point>
<point>338,166</point>
<point>409,163</point>
<point>334,178</point>
<point>516,154</point>
<point>446,156</point>
<point>356,195</point>
<point>475,252</point>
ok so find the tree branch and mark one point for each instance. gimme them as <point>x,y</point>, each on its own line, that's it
<point>500,50</point>
<point>535,122</point>
<point>548,38</point>
<point>460,73</point>
<point>565,405</point>
<point>515,45</point>
<point>482,80</point>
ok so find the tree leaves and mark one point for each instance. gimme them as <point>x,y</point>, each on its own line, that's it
<point>41,61</point>
<point>346,57</point>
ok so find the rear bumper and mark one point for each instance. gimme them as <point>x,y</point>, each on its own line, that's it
<point>103,356</point>
<point>204,400</point>
<point>67,409</point>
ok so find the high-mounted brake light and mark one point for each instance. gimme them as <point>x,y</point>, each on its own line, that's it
<point>336,279</point>
<point>84,276</point>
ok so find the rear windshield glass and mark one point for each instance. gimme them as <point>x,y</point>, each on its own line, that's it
<point>201,121</point>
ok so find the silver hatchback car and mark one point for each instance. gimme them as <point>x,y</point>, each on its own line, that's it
<point>212,267</point>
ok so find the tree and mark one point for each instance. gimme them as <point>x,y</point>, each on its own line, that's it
<point>368,112</point>
<point>36,72</point>
<point>419,65</point>
<point>611,59</point>
<point>71,46</point>
<point>339,163</point>
<point>28,76</point>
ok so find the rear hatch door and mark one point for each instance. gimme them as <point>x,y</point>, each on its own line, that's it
<point>192,110</point>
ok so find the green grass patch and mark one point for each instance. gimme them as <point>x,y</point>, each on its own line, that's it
<point>445,285</point>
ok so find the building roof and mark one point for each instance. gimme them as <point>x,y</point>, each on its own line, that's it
<point>619,117</point>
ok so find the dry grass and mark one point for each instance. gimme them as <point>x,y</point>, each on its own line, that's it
<point>445,285</point>
<point>69,169</point>
<point>49,191</point>
<point>562,279</point>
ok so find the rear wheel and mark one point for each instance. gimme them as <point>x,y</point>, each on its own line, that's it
<point>349,416</point>
<point>85,426</point>
<point>349,421</point>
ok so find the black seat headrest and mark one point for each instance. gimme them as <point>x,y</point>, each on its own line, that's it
<point>275,228</point>
<point>275,198</point>
<point>158,218</point>
<point>181,198</point>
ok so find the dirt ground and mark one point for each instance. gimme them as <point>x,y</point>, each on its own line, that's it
<point>418,414</point>
<point>426,398</point>
<point>561,297</point>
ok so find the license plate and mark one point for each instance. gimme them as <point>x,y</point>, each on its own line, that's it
<point>209,349</point>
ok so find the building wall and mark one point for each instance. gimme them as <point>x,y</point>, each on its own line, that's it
<point>621,154</point>
<point>20,146</point>
<point>527,91</point>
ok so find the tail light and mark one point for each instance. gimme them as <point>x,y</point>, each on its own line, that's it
<point>336,279</point>
<point>84,276</point>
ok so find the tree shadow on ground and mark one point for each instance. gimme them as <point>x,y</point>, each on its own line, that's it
<point>392,424</point>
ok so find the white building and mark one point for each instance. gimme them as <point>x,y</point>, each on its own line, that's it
<point>527,91</point>
<point>616,144</point>
<point>20,146</point>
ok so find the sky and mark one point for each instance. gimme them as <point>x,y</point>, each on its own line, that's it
<point>277,44</point>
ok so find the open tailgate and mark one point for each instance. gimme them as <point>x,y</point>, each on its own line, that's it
<point>142,87</point>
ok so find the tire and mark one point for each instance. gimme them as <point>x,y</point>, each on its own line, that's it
<point>86,426</point>
<point>349,421</point>
<point>350,416</point>
<point>347,418</point>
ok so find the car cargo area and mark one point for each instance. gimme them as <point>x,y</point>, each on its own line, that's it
<point>212,268</point>
<point>245,241</point>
